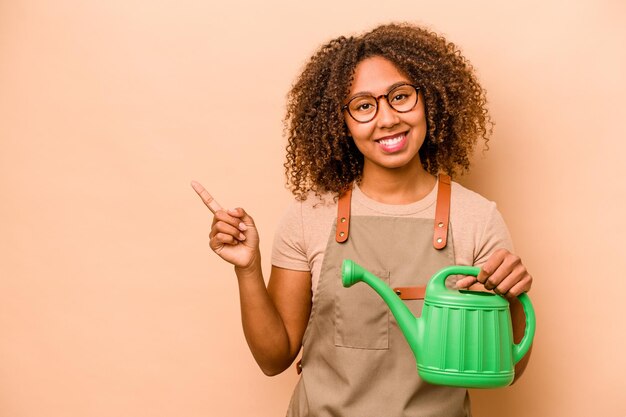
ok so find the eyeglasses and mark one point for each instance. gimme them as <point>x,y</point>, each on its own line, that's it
<point>363,108</point>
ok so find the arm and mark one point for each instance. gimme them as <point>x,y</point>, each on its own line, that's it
<point>273,318</point>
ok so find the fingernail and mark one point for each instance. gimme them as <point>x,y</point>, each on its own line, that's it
<point>243,227</point>
<point>242,236</point>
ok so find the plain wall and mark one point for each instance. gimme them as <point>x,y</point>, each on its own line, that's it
<point>112,303</point>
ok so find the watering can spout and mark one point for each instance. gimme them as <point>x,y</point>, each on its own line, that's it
<point>353,273</point>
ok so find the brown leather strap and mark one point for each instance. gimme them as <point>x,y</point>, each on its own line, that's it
<point>442,212</point>
<point>410,293</point>
<point>343,217</point>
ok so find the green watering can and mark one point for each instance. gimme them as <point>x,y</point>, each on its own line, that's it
<point>463,338</point>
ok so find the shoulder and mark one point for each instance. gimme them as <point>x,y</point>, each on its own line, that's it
<point>316,206</point>
<point>471,213</point>
<point>301,215</point>
<point>311,203</point>
<point>477,225</point>
<point>302,232</point>
<point>467,199</point>
<point>469,207</point>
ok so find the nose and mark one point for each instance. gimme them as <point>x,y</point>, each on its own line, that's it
<point>387,116</point>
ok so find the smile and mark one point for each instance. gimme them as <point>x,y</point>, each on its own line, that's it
<point>393,143</point>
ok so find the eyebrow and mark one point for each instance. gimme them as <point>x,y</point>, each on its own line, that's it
<point>369,93</point>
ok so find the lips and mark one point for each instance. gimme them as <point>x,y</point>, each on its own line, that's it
<point>393,143</point>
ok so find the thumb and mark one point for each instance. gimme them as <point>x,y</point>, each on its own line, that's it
<point>242,215</point>
<point>466,282</point>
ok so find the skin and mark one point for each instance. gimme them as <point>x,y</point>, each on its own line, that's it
<point>275,317</point>
<point>389,177</point>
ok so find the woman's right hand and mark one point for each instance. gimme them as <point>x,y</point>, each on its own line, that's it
<point>233,235</point>
<point>275,317</point>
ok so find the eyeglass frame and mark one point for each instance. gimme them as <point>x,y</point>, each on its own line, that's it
<point>346,106</point>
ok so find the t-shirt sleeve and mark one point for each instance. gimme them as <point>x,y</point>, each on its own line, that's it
<point>495,235</point>
<point>289,249</point>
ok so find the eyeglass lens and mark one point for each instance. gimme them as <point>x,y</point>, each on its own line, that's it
<point>402,99</point>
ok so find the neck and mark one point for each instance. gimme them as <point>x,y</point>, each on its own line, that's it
<point>403,185</point>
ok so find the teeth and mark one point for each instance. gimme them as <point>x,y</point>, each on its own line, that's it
<point>391,141</point>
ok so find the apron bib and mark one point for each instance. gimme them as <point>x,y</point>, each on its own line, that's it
<point>356,361</point>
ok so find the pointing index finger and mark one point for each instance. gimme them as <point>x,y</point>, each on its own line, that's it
<point>207,198</point>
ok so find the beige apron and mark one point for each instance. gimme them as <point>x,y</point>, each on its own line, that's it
<point>355,360</point>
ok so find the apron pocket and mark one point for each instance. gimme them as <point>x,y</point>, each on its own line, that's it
<point>361,315</point>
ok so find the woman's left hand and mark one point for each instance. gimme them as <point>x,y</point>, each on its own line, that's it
<point>503,273</point>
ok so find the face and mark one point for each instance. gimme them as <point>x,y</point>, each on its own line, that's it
<point>391,140</point>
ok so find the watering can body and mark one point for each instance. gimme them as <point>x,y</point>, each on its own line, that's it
<point>463,338</point>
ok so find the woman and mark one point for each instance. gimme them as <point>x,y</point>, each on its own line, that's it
<point>373,122</point>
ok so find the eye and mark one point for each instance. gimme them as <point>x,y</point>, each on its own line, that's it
<point>402,94</point>
<point>363,105</point>
<point>400,97</point>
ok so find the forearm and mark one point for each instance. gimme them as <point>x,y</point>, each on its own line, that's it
<point>263,326</point>
<point>235,239</point>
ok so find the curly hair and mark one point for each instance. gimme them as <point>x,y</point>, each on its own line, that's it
<point>322,157</point>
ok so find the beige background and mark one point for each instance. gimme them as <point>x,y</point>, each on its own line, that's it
<point>111,302</point>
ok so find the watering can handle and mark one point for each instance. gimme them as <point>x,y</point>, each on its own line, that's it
<point>519,350</point>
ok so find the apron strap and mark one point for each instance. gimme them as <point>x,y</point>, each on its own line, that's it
<point>440,235</point>
<point>442,212</point>
<point>343,216</point>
